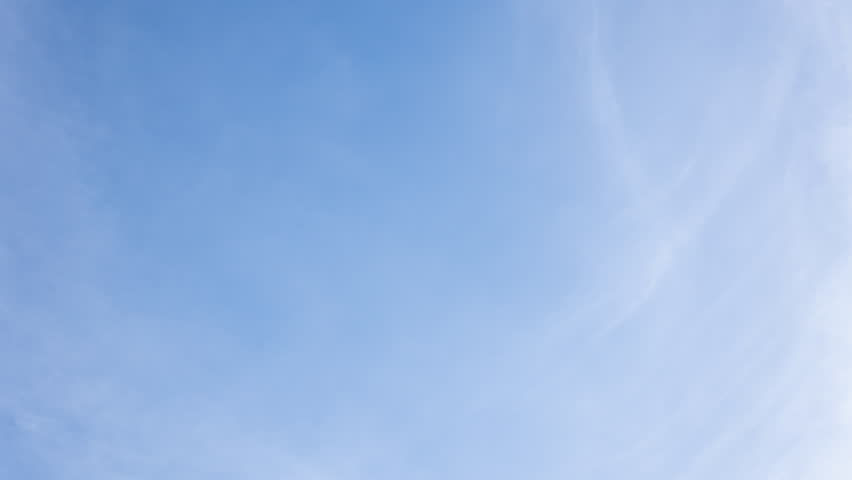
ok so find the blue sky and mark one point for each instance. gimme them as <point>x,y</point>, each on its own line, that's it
<point>335,240</point>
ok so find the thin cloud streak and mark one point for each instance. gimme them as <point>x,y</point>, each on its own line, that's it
<point>709,339</point>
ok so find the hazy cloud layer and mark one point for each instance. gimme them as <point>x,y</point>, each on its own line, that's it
<point>533,240</point>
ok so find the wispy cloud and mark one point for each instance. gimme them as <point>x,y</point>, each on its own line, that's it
<point>693,321</point>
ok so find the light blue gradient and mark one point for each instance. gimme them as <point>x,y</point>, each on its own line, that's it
<point>336,240</point>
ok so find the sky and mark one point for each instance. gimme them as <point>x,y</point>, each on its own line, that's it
<point>515,239</point>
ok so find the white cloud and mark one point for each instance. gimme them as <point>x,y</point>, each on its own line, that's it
<point>711,338</point>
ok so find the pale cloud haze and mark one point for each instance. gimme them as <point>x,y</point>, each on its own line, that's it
<point>333,241</point>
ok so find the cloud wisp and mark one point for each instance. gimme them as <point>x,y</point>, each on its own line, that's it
<point>631,260</point>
